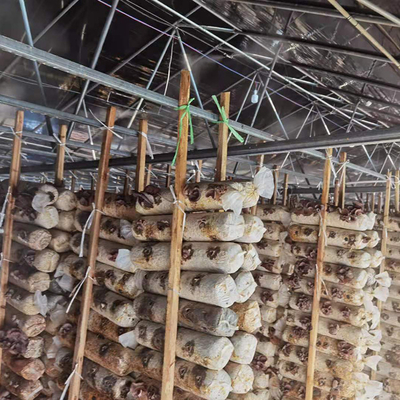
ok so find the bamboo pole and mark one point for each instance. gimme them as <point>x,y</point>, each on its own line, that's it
<point>73,183</point>
<point>174,278</point>
<point>59,173</point>
<point>197,177</point>
<point>342,180</point>
<point>147,179</point>
<point>222,151</point>
<point>397,190</point>
<point>126,183</point>
<point>102,183</point>
<point>318,283</point>
<point>373,202</point>
<point>8,218</point>
<point>336,193</point>
<point>276,180</point>
<point>285,190</point>
<point>141,157</point>
<point>168,179</point>
<point>382,267</point>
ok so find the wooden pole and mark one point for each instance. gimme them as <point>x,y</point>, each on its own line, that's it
<point>285,189</point>
<point>318,282</point>
<point>336,193</point>
<point>59,173</point>
<point>73,183</point>
<point>382,267</point>
<point>8,218</point>
<point>397,190</point>
<point>373,202</point>
<point>141,157</point>
<point>174,278</point>
<point>260,163</point>
<point>168,180</point>
<point>92,184</point>
<point>276,180</point>
<point>102,183</point>
<point>342,180</point>
<point>148,175</point>
<point>222,151</point>
<point>197,177</point>
<point>126,183</point>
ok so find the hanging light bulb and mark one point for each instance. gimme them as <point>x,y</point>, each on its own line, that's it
<point>254,97</point>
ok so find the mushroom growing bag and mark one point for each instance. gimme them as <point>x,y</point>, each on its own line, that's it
<point>219,257</point>
<point>233,196</point>
<point>215,289</point>
<point>201,227</point>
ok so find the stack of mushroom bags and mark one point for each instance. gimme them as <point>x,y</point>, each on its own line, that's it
<point>389,367</point>
<point>215,345</point>
<point>32,289</point>
<point>110,358</point>
<point>272,294</point>
<point>347,328</point>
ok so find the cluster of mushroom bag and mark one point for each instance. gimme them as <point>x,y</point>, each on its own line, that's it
<point>348,334</point>
<point>389,367</point>
<point>216,349</point>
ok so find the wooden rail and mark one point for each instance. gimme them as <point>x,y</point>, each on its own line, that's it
<point>342,180</point>
<point>222,151</point>
<point>59,172</point>
<point>102,183</point>
<point>8,218</point>
<point>285,190</point>
<point>312,351</point>
<point>171,326</point>
<point>141,157</point>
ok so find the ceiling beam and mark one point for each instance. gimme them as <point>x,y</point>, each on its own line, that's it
<point>312,8</point>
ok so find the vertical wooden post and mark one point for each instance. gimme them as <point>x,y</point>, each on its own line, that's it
<point>168,179</point>
<point>285,189</point>
<point>318,282</point>
<point>174,278</point>
<point>147,179</point>
<point>382,267</point>
<point>141,157</point>
<point>397,191</point>
<point>367,202</point>
<point>260,163</point>
<point>126,183</point>
<point>59,173</point>
<point>276,180</point>
<point>222,151</point>
<point>336,193</point>
<point>73,183</point>
<point>92,184</point>
<point>8,218</point>
<point>373,202</point>
<point>380,201</point>
<point>102,183</point>
<point>342,180</point>
<point>197,177</point>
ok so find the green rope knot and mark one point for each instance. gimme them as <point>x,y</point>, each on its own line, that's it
<point>186,108</point>
<point>225,120</point>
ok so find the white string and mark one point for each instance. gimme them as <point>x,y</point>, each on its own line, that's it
<point>3,259</point>
<point>178,204</point>
<point>77,288</point>
<point>199,169</point>
<point>322,228</point>
<point>60,143</point>
<point>319,185</point>
<point>110,128</point>
<point>148,146</point>
<point>68,381</point>
<point>151,172</point>
<point>92,175</point>
<point>322,281</point>
<point>3,209</point>
<point>331,165</point>
<point>87,225</point>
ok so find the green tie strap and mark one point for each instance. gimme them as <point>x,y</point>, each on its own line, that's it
<point>185,107</point>
<point>225,120</point>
